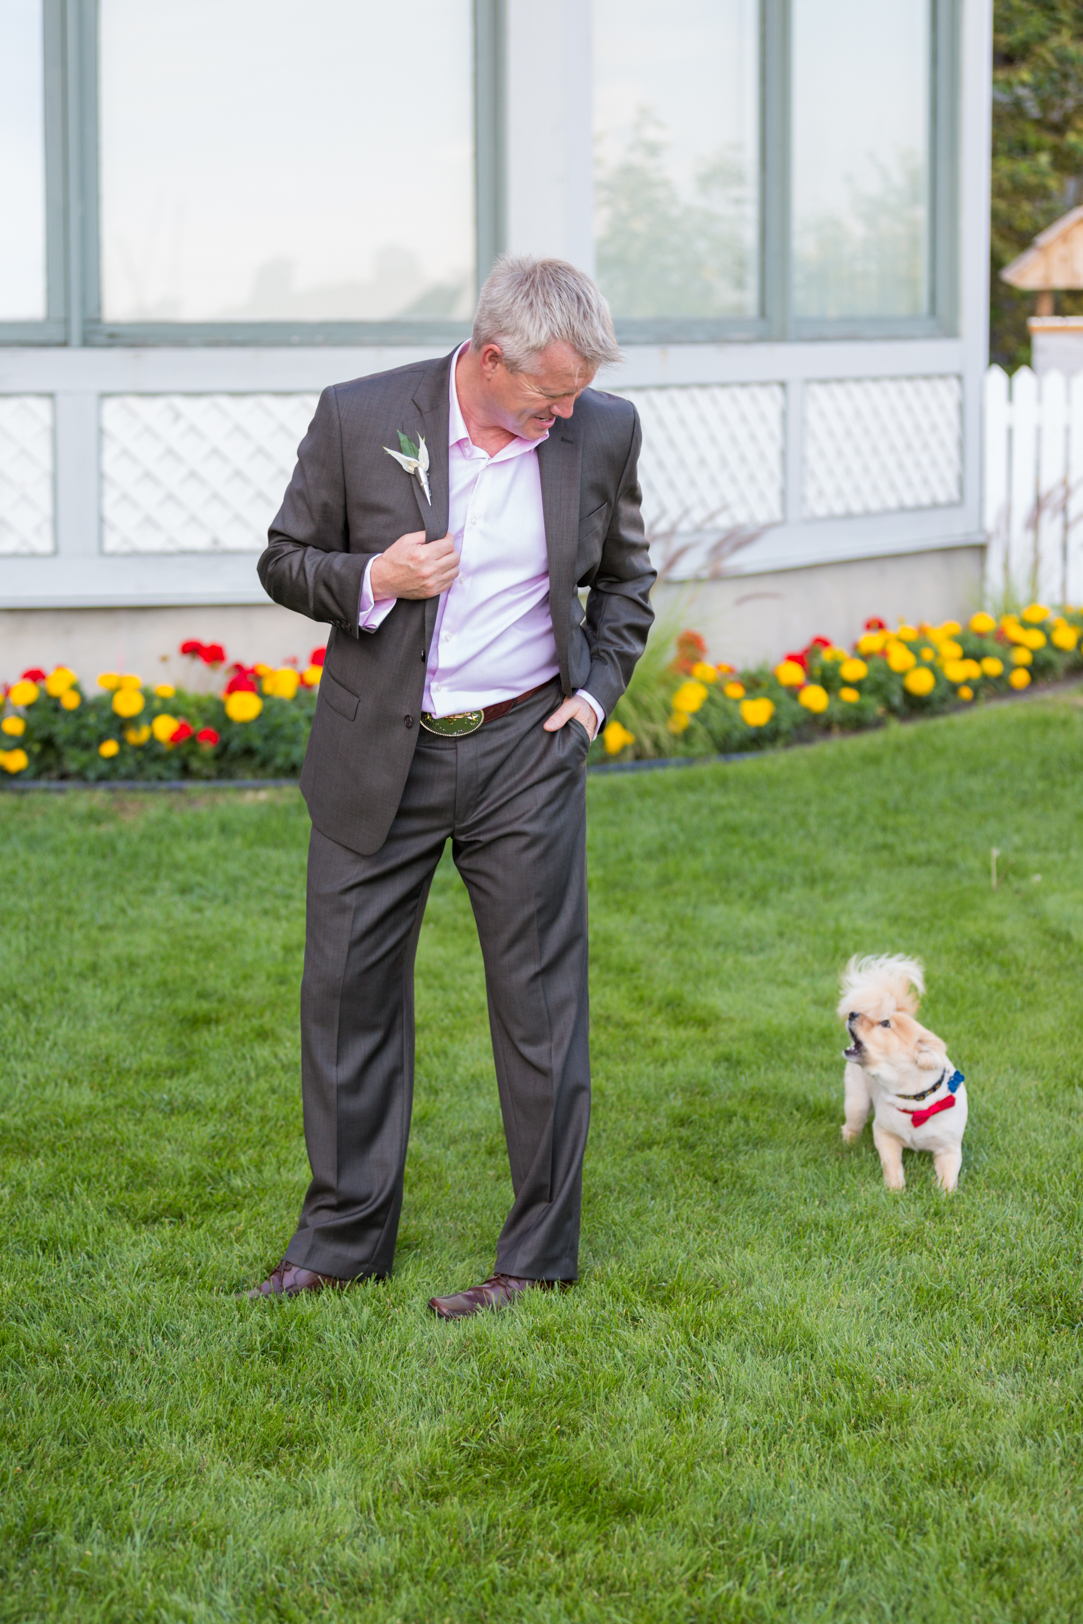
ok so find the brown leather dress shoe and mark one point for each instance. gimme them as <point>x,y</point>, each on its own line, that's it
<point>288,1280</point>
<point>496,1292</point>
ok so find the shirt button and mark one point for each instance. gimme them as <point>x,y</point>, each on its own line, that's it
<point>408,720</point>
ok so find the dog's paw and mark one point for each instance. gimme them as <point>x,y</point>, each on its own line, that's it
<point>894,1181</point>
<point>849,1134</point>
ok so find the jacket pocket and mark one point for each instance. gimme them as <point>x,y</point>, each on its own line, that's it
<point>337,697</point>
<point>594,525</point>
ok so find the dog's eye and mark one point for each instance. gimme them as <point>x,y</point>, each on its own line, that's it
<point>885,1023</point>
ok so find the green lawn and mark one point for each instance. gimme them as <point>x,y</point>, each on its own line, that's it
<point>778,1392</point>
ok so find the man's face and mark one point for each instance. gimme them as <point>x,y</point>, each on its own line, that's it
<point>529,403</point>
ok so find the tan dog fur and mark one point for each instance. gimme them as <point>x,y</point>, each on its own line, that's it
<point>891,1058</point>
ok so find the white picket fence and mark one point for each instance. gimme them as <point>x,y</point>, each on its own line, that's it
<point>1033,486</point>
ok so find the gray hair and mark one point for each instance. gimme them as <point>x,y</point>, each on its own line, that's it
<point>528,304</point>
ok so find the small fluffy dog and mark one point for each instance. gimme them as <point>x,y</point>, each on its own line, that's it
<point>900,1068</point>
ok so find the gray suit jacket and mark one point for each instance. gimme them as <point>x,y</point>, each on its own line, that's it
<point>348,501</point>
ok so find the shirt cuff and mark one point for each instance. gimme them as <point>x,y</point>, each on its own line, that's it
<point>372,613</point>
<point>581,693</point>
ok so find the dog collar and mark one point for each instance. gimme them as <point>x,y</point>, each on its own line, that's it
<point>946,1104</point>
<point>952,1079</point>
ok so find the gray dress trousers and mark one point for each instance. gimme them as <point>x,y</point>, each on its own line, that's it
<point>511,797</point>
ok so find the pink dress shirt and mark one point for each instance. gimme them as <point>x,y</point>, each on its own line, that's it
<point>493,637</point>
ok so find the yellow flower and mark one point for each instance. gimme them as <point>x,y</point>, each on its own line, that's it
<point>899,658</point>
<point>1022,656</point>
<point>13,761</point>
<point>757,712</point>
<point>1020,678</point>
<point>109,680</point>
<point>678,722</point>
<point>108,748</point>
<point>23,693</point>
<point>734,690</point>
<point>71,699</point>
<point>950,649</point>
<point>14,726</point>
<point>615,737</point>
<point>982,624</point>
<point>836,655</point>
<point>871,643</point>
<point>950,628</point>
<point>928,653</point>
<point>1035,613</point>
<point>164,690</point>
<point>906,633</point>
<point>1065,637</point>
<point>59,681</point>
<point>163,727</point>
<point>311,675</point>
<point>283,682</point>
<point>992,667</point>
<point>689,697</point>
<point>965,692</point>
<point>262,670</point>
<point>973,670</point>
<point>128,702</point>
<point>137,735</point>
<point>128,681</point>
<point>919,681</point>
<point>243,706</point>
<point>790,674</point>
<point>1012,630</point>
<point>853,670</point>
<point>1032,637</point>
<point>956,670</point>
<point>850,695</point>
<point>813,697</point>
<point>704,672</point>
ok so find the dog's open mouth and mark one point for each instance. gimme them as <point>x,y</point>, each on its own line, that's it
<point>857,1048</point>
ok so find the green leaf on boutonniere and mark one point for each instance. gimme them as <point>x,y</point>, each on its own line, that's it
<point>409,449</point>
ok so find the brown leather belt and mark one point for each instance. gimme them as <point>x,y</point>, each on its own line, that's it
<point>463,722</point>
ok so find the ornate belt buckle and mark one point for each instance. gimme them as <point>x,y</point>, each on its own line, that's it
<point>453,727</point>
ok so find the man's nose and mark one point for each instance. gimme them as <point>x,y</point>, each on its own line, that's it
<point>565,407</point>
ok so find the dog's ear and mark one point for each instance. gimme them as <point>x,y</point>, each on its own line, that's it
<point>928,1057</point>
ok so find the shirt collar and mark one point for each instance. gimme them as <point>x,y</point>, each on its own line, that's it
<point>457,430</point>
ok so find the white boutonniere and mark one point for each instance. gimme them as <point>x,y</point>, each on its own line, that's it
<point>415,460</point>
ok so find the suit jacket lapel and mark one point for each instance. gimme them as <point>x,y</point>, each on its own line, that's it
<point>431,401</point>
<point>558,465</point>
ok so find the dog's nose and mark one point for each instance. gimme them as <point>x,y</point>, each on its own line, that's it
<point>853,1015</point>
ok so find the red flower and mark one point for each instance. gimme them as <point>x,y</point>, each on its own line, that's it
<point>212,654</point>
<point>820,642</point>
<point>243,683</point>
<point>182,731</point>
<point>317,656</point>
<point>207,736</point>
<point>192,646</point>
<point>799,659</point>
<point>33,675</point>
<point>875,624</point>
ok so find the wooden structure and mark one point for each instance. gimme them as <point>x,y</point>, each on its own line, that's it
<point>1053,260</point>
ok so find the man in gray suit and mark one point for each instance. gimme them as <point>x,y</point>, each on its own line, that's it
<point>463,683</point>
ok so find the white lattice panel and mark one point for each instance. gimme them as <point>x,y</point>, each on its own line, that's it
<point>26,474</point>
<point>712,456</point>
<point>882,445</point>
<point>196,473</point>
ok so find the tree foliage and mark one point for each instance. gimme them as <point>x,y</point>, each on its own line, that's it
<point>1037,149</point>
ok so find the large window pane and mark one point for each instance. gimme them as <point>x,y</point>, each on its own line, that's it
<point>22,163</point>
<point>286,160</point>
<point>861,170</point>
<point>676,112</point>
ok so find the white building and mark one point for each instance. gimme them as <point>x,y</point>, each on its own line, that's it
<point>212,210</point>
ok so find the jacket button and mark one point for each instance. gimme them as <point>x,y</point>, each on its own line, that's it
<point>409,721</point>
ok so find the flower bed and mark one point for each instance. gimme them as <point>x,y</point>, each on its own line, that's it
<point>689,706</point>
<point>257,725</point>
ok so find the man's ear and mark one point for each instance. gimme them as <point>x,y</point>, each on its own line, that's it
<point>930,1059</point>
